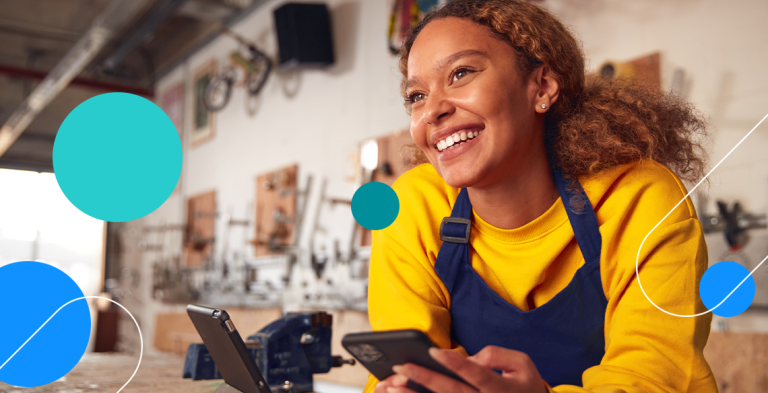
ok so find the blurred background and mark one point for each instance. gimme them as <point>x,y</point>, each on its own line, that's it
<point>284,110</point>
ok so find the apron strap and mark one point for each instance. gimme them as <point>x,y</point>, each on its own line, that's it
<point>454,232</point>
<point>581,215</point>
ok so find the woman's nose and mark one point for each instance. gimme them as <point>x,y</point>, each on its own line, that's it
<point>437,109</point>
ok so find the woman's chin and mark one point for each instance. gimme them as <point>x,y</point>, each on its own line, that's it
<point>458,177</point>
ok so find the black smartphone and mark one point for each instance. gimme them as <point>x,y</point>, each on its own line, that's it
<point>379,351</point>
<point>227,349</point>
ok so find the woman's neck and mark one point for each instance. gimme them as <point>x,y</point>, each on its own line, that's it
<point>517,200</point>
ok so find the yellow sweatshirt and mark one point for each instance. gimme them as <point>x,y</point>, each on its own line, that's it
<point>646,350</point>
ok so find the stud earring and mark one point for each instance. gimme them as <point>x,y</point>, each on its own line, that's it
<point>543,106</point>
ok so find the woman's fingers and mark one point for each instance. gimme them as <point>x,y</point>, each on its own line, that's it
<point>518,368</point>
<point>503,359</point>
<point>382,386</point>
<point>520,373</point>
<point>432,380</point>
<point>399,390</point>
<point>478,375</point>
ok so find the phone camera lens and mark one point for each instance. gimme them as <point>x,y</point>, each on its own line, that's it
<point>367,353</point>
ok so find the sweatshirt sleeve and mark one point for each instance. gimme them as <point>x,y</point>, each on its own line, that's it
<point>404,292</point>
<point>648,350</point>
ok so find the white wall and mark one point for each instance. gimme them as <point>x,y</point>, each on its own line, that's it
<point>317,126</point>
<point>720,45</point>
<point>315,118</point>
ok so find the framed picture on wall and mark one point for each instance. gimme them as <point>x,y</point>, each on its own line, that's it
<point>172,103</point>
<point>203,121</point>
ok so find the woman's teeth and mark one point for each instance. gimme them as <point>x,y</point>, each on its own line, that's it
<point>456,139</point>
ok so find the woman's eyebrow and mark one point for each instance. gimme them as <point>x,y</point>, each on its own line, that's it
<point>456,56</point>
<point>446,61</point>
<point>411,82</point>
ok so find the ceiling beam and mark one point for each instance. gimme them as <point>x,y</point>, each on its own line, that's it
<point>38,30</point>
<point>161,11</point>
<point>110,21</point>
<point>208,33</point>
<point>106,86</point>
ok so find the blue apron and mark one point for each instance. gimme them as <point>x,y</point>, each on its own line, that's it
<point>564,336</point>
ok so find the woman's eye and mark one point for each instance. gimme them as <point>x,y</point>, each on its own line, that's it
<point>460,73</point>
<point>416,97</point>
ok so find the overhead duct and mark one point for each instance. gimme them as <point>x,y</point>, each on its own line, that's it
<point>146,28</point>
<point>103,28</point>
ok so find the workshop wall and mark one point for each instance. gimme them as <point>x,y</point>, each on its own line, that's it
<point>313,118</point>
<point>717,45</point>
<point>317,118</point>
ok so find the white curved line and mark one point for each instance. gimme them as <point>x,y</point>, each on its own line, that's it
<point>141,339</point>
<point>637,260</point>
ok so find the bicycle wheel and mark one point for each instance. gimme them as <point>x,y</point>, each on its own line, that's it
<point>257,78</point>
<point>218,92</point>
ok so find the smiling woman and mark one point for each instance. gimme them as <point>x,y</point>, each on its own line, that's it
<point>559,178</point>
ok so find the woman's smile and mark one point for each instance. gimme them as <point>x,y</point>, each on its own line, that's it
<point>457,143</point>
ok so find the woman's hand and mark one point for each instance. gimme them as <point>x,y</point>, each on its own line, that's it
<point>519,373</point>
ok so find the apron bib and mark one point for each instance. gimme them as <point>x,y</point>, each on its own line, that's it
<point>564,336</point>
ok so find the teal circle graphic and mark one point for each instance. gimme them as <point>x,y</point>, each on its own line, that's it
<point>375,205</point>
<point>117,157</point>
<point>719,280</point>
<point>30,293</point>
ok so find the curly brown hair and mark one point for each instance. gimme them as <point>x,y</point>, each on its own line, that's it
<point>596,123</point>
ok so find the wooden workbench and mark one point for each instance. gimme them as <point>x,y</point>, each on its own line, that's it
<point>738,361</point>
<point>106,373</point>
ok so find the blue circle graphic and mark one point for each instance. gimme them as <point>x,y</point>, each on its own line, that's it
<point>375,205</point>
<point>719,280</point>
<point>30,293</point>
<point>117,157</point>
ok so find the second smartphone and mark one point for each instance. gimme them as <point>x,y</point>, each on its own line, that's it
<point>379,351</point>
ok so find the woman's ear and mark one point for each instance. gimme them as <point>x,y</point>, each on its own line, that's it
<point>547,89</point>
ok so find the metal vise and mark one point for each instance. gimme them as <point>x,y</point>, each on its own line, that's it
<point>291,349</point>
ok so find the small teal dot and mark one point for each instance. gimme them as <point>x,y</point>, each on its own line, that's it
<point>30,295</point>
<point>117,157</point>
<point>375,205</point>
<point>719,280</point>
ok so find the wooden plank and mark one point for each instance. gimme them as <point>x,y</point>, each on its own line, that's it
<point>644,69</point>
<point>345,322</point>
<point>175,331</point>
<point>395,156</point>
<point>107,373</point>
<point>275,196</point>
<point>648,69</point>
<point>738,361</point>
<point>201,217</point>
<point>102,373</point>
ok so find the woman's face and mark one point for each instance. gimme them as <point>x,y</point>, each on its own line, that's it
<point>464,81</point>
